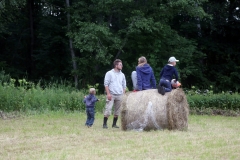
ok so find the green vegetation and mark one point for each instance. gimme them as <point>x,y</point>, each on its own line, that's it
<point>25,96</point>
<point>21,95</point>
<point>79,40</point>
<point>61,135</point>
<point>206,102</point>
<point>49,124</point>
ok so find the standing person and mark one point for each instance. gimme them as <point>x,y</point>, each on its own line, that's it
<point>115,86</point>
<point>90,101</point>
<point>143,78</point>
<point>166,76</point>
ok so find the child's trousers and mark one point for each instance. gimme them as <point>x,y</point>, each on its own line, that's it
<point>90,116</point>
<point>166,84</point>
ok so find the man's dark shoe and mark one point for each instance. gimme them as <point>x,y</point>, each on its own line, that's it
<point>161,90</point>
<point>105,126</point>
<point>115,126</point>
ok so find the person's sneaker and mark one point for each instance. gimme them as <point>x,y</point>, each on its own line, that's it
<point>105,126</point>
<point>115,126</point>
<point>161,90</point>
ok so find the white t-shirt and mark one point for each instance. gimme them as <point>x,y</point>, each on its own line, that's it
<point>115,81</point>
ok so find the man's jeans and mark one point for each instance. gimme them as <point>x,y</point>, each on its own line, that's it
<point>90,116</point>
<point>166,84</point>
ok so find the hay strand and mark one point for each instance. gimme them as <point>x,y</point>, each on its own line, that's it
<point>147,110</point>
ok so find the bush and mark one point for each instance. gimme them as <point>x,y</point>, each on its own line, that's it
<point>21,95</point>
<point>26,96</point>
<point>205,102</point>
<point>221,101</point>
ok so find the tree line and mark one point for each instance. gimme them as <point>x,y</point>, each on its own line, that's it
<point>79,40</point>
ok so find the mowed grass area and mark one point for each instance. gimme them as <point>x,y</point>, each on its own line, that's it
<point>60,135</point>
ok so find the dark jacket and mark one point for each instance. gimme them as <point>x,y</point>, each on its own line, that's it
<point>90,101</point>
<point>145,77</point>
<point>168,72</point>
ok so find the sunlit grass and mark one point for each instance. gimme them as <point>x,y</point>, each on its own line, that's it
<point>60,135</point>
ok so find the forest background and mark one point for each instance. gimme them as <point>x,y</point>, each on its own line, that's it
<point>78,40</point>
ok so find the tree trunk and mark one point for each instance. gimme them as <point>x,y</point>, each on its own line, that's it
<point>198,24</point>
<point>124,41</point>
<point>30,4</point>
<point>71,49</point>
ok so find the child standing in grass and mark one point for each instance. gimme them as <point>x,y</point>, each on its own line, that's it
<point>90,101</point>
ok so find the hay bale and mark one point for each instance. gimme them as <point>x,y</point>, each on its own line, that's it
<point>147,110</point>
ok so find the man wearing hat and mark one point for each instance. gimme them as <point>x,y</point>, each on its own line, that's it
<point>166,76</point>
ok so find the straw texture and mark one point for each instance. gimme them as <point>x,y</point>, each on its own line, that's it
<point>149,110</point>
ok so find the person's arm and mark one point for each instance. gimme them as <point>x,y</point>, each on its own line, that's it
<point>109,97</point>
<point>95,99</point>
<point>124,84</point>
<point>85,99</point>
<point>107,80</point>
<point>176,74</point>
<point>139,79</point>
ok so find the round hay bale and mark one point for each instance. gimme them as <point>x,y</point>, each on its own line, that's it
<point>149,110</point>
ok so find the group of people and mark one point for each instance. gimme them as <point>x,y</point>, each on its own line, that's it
<point>115,86</point>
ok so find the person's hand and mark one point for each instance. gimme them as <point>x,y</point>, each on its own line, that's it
<point>109,97</point>
<point>85,96</point>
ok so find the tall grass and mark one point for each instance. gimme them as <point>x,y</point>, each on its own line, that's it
<point>21,95</point>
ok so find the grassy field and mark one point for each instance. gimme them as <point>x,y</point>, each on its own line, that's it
<point>59,135</point>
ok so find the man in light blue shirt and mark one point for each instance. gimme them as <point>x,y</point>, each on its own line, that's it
<point>115,86</point>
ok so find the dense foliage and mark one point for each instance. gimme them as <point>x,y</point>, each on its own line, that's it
<point>206,102</point>
<point>27,97</point>
<point>43,39</point>
<point>42,97</point>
